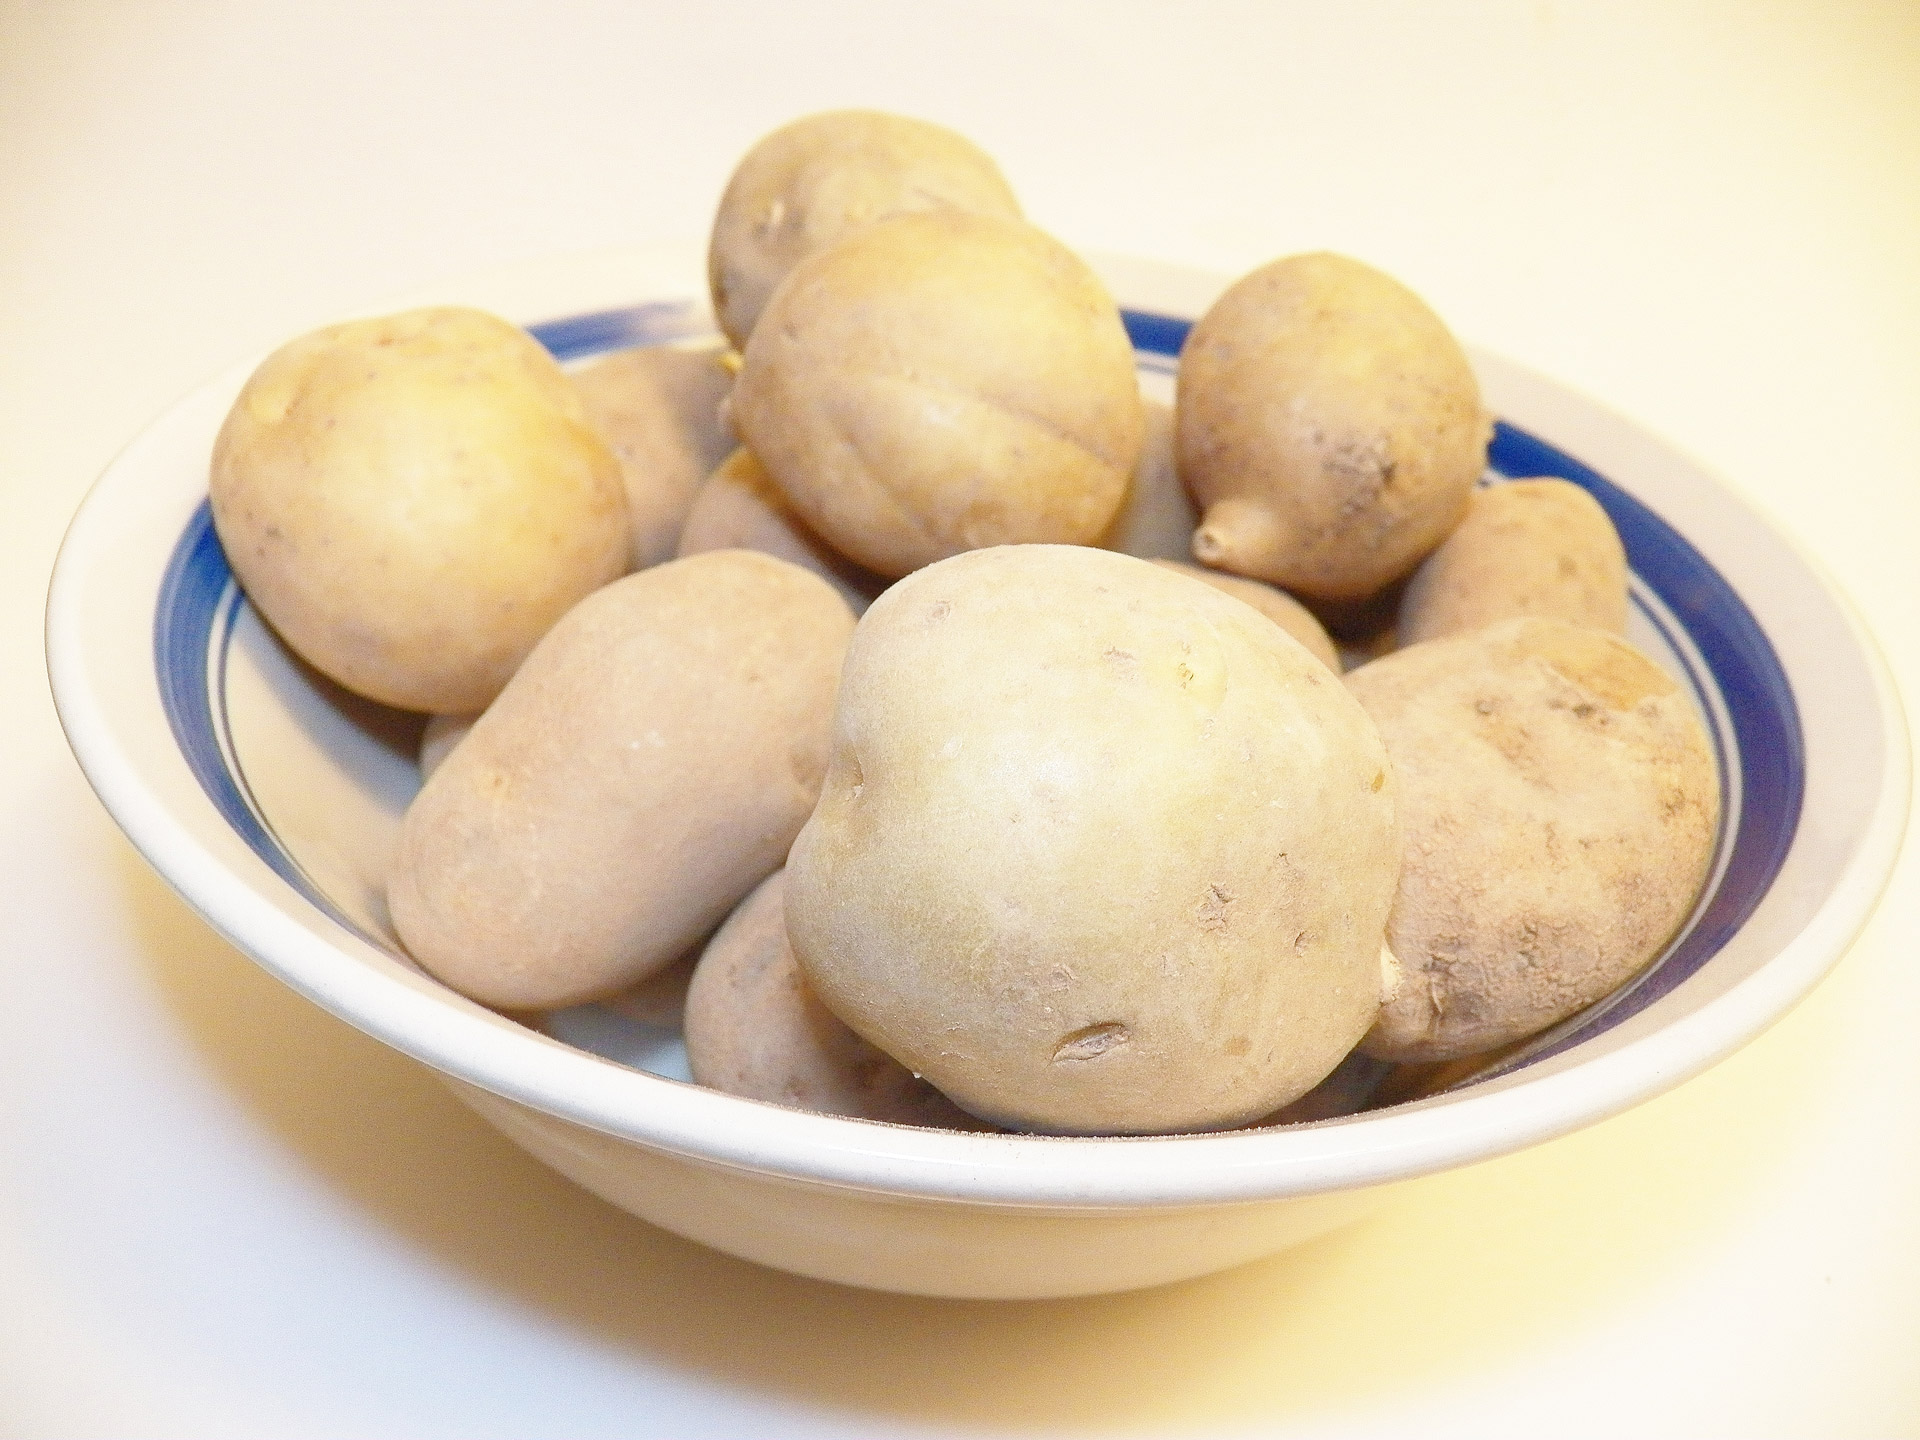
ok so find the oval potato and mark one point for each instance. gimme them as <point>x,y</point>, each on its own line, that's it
<point>740,508</point>
<point>811,183</point>
<point>1559,801</point>
<point>942,382</point>
<point>755,1028</point>
<point>1527,547</point>
<point>411,501</point>
<point>647,767</point>
<point>658,407</point>
<point>1329,427</point>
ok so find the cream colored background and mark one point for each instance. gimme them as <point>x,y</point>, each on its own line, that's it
<point>223,1213</point>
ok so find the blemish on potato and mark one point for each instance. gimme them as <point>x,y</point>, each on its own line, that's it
<point>1213,908</point>
<point>1091,1042</point>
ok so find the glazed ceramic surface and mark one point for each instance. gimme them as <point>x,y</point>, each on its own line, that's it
<point>270,799</point>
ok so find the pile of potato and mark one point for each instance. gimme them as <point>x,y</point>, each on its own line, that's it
<point>865,660</point>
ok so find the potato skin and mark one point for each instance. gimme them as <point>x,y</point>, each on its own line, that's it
<point>412,500</point>
<point>1559,801</point>
<point>658,409</point>
<point>1329,427</point>
<point>943,382</point>
<point>648,766</point>
<point>811,183</point>
<point>1099,851</point>
<point>1278,606</point>
<point>1527,547</point>
<point>754,1027</point>
<point>738,507</point>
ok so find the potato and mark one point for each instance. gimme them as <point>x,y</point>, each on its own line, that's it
<point>1278,606</point>
<point>1157,517</point>
<point>755,1028</point>
<point>740,508</point>
<point>1099,850</point>
<point>810,184</point>
<point>647,767</point>
<point>1559,801</point>
<point>658,407</point>
<point>1329,428</point>
<point>941,382</point>
<point>411,501</point>
<point>1529,547</point>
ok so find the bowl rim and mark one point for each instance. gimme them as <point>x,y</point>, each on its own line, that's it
<point>107,722</point>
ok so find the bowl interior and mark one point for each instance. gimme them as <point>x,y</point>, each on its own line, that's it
<point>314,780</point>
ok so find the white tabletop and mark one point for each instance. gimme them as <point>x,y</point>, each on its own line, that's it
<point>223,1213</point>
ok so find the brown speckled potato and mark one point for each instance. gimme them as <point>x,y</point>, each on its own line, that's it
<point>812,183</point>
<point>754,1027</point>
<point>1559,802</point>
<point>1328,426</point>
<point>1157,518</point>
<point>740,508</point>
<point>411,501</point>
<point>647,767</point>
<point>1278,606</point>
<point>658,409</point>
<point>942,382</point>
<point>1099,850</point>
<point>1528,547</point>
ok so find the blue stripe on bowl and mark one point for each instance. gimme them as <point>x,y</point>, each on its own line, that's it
<point>1768,745</point>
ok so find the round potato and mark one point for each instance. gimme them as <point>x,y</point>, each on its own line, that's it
<point>1559,801</point>
<point>1528,547</point>
<point>1329,427</point>
<point>658,407</point>
<point>648,766</point>
<point>942,382</point>
<point>755,1028</point>
<point>810,184</point>
<point>740,508</point>
<point>1157,518</point>
<point>412,501</point>
<point>1278,606</point>
<point>1099,851</point>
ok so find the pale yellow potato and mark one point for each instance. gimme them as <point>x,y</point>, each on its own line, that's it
<point>1157,518</point>
<point>1329,427</point>
<point>740,508</point>
<point>411,501</point>
<point>811,183</point>
<point>437,740</point>
<point>1528,547</point>
<point>658,408</point>
<point>942,382</point>
<point>1278,606</point>
<point>754,1027</point>
<point>1099,851</point>
<point>1559,801</point>
<point>648,766</point>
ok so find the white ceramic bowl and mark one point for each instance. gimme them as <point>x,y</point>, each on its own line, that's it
<point>269,799</point>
